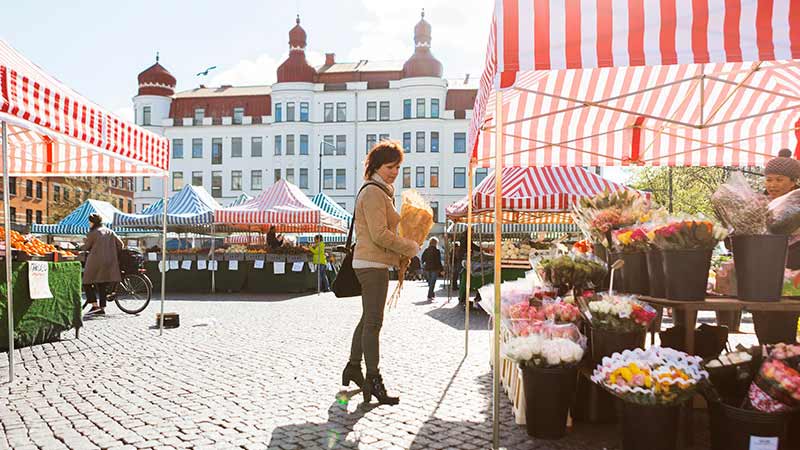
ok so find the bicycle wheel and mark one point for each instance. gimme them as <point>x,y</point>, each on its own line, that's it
<point>133,294</point>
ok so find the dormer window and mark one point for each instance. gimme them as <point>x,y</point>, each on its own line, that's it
<point>238,116</point>
<point>199,115</point>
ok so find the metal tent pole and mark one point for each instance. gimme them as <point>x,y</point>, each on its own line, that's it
<point>7,224</point>
<point>163,255</point>
<point>213,272</point>
<point>498,221</point>
<point>469,258</point>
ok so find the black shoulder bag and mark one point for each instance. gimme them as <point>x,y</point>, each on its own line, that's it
<point>346,283</point>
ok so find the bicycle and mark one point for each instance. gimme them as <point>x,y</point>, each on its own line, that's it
<point>133,293</point>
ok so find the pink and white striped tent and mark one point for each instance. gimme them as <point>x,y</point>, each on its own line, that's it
<point>283,205</point>
<point>640,82</point>
<point>533,195</point>
<point>55,131</point>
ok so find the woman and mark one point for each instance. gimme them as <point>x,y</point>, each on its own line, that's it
<point>273,240</point>
<point>782,174</point>
<point>378,247</point>
<point>102,267</point>
<point>432,264</point>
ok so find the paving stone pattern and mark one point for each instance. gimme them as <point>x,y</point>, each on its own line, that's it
<point>262,372</point>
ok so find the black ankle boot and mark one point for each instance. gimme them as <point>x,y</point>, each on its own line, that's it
<point>352,373</point>
<point>374,386</point>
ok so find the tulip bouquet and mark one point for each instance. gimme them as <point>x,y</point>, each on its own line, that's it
<point>598,216</point>
<point>552,346</point>
<point>687,234</point>
<point>656,376</point>
<point>631,240</point>
<point>776,386</point>
<point>620,313</point>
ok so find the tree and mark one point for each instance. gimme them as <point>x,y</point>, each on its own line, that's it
<point>80,189</point>
<point>692,187</point>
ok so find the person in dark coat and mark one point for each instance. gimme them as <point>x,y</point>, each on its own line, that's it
<point>102,267</point>
<point>273,240</point>
<point>432,265</point>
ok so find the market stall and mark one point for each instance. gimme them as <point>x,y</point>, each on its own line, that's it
<point>76,223</point>
<point>50,130</point>
<point>639,83</point>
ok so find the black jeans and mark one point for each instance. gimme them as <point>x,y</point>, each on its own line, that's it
<point>95,290</point>
<point>366,337</point>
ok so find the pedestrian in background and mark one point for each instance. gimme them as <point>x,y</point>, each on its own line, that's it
<point>102,266</point>
<point>320,260</point>
<point>432,265</point>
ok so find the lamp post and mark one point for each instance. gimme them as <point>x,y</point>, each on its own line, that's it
<point>321,144</point>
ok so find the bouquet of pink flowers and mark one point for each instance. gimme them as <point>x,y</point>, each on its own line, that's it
<point>631,240</point>
<point>776,386</point>
<point>620,313</point>
<point>598,216</point>
<point>688,234</point>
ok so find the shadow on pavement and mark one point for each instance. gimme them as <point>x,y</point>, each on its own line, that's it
<point>453,313</point>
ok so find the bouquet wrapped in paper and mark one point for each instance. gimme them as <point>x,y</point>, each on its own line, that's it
<point>620,313</point>
<point>598,216</point>
<point>552,345</point>
<point>743,210</point>
<point>416,221</point>
<point>776,386</point>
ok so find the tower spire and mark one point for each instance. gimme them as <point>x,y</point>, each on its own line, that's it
<point>156,56</point>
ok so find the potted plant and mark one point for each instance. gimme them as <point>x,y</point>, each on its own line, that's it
<point>618,323</point>
<point>631,245</point>
<point>652,385</point>
<point>549,361</point>
<point>686,246</point>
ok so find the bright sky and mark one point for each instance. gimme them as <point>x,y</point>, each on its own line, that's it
<point>99,47</point>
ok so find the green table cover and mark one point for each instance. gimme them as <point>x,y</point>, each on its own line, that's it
<point>477,279</point>
<point>43,320</point>
<point>179,280</point>
<point>246,279</point>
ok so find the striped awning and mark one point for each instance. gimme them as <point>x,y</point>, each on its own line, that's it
<point>243,197</point>
<point>191,207</point>
<point>533,195</point>
<point>284,206</point>
<point>327,204</point>
<point>54,131</point>
<point>517,228</point>
<point>640,82</point>
<point>76,223</point>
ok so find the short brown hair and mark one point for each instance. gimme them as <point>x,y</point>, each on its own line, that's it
<point>384,152</point>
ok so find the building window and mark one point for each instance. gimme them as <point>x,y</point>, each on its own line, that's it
<point>327,146</point>
<point>303,111</point>
<point>383,137</point>
<point>236,147</point>
<point>372,139</point>
<point>290,175</point>
<point>144,207</point>
<point>255,146</point>
<point>197,148</point>
<point>177,181</point>
<point>29,188</point>
<point>66,194</point>
<point>480,174</point>
<point>12,185</point>
<point>216,151</point>
<point>177,148</point>
<point>420,141</point>
<point>372,111</point>
<point>434,177</point>
<point>459,177</point>
<point>460,143</point>
<point>278,145</point>
<point>303,181</point>
<point>290,111</point>
<point>39,216</point>
<point>216,184</point>
<point>341,181</point>
<point>290,144</point>
<point>328,116</point>
<point>278,112</point>
<point>236,180</point>
<point>145,185</point>
<point>407,142</point>
<point>304,144</point>
<point>146,116</point>
<point>406,177</point>
<point>434,142</point>
<point>341,144</point>
<point>256,180</point>
<point>130,206</point>
<point>199,115</point>
<point>420,177</point>
<point>238,116</point>
<point>384,110</point>
<point>435,108</point>
<point>407,108</point>
<point>277,175</point>
<point>28,216</point>
<point>197,178</point>
<point>327,179</point>
<point>120,203</point>
<point>435,208</point>
<point>12,212</point>
<point>56,193</point>
<point>420,108</point>
<point>341,112</point>
<point>39,190</point>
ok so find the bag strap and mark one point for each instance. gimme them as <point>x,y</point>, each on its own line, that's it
<point>353,222</point>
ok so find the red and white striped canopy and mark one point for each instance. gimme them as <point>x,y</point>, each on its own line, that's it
<point>644,82</point>
<point>283,205</point>
<point>535,190</point>
<point>54,131</point>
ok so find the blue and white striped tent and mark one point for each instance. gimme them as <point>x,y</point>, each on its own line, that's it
<point>327,204</point>
<point>192,206</point>
<point>239,200</point>
<point>77,222</point>
<point>154,207</point>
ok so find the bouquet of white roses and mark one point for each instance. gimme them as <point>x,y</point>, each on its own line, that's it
<point>620,313</point>
<point>554,346</point>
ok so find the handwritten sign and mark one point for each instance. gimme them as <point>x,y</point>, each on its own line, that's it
<point>201,264</point>
<point>279,268</point>
<point>174,264</point>
<point>298,266</point>
<point>151,256</point>
<point>163,266</point>
<point>763,443</point>
<point>212,265</point>
<point>186,264</point>
<point>233,265</point>
<point>39,280</point>
<point>258,264</point>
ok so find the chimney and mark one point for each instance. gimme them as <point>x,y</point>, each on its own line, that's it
<point>466,79</point>
<point>202,86</point>
<point>330,59</point>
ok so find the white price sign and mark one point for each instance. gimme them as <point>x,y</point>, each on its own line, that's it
<point>39,280</point>
<point>763,443</point>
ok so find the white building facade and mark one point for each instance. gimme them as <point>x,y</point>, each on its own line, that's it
<point>313,127</point>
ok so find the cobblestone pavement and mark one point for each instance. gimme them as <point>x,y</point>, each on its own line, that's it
<point>262,373</point>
